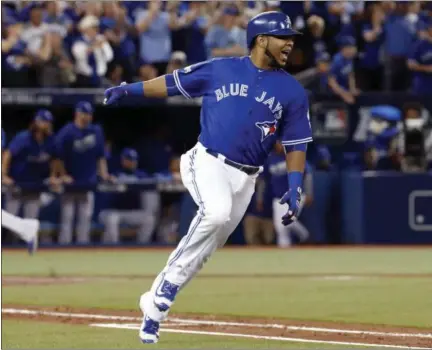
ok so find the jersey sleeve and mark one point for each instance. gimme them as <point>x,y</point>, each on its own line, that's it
<point>17,144</point>
<point>100,142</point>
<point>296,127</point>
<point>60,142</point>
<point>194,80</point>
<point>414,52</point>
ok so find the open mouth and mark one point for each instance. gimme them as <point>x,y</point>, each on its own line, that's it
<point>285,53</point>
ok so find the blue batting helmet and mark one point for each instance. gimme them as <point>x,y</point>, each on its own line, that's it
<point>272,23</point>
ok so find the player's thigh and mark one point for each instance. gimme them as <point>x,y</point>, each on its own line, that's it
<point>267,229</point>
<point>85,203</point>
<point>206,180</point>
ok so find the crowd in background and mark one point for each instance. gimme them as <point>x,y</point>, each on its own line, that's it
<point>90,43</point>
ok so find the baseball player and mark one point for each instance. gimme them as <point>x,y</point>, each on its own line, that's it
<point>28,159</point>
<point>128,208</point>
<point>248,103</point>
<point>80,158</point>
<point>276,175</point>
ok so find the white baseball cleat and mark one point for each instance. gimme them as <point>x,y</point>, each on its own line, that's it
<point>149,330</point>
<point>30,228</point>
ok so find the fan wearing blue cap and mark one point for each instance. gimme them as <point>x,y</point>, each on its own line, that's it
<point>28,159</point>
<point>341,77</point>
<point>131,207</point>
<point>80,155</point>
<point>225,39</point>
<point>420,63</point>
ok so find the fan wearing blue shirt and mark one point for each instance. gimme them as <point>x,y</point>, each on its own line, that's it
<point>28,160</point>
<point>420,64</point>
<point>341,78</point>
<point>80,156</point>
<point>130,207</point>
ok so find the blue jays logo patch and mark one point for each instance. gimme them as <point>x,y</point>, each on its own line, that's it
<point>267,129</point>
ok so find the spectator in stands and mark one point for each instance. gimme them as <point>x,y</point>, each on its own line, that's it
<point>56,19</point>
<point>178,60</point>
<point>80,153</point>
<point>15,57</point>
<point>58,70</point>
<point>400,34</point>
<point>195,32</point>
<point>116,26</point>
<point>131,207</point>
<point>92,54</point>
<point>154,26</point>
<point>34,31</point>
<point>341,77</point>
<point>258,224</point>
<point>314,43</point>
<point>28,159</point>
<point>424,17</point>
<point>147,72</point>
<point>420,64</point>
<point>226,39</point>
<point>371,72</point>
<point>323,158</point>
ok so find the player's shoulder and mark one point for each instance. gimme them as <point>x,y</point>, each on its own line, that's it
<point>21,136</point>
<point>291,85</point>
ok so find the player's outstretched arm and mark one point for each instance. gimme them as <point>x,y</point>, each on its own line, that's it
<point>191,81</point>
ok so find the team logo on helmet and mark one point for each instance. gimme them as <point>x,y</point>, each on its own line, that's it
<point>286,24</point>
<point>267,129</point>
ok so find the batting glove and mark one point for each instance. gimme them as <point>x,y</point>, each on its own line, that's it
<point>292,198</point>
<point>115,94</point>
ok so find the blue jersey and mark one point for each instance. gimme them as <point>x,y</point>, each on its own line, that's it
<point>246,109</point>
<point>129,200</point>
<point>30,160</point>
<point>276,172</point>
<point>340,69</point>
<point>80,150</point>
<point>422,54</point>
<point>3,139</point>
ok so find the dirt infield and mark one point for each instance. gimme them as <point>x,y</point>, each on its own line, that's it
<point>308,330</point>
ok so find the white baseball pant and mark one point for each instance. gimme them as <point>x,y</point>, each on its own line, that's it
<point>85,203</point>
<point>222,194</point>
<point>17,225</point>
<point>31,205</point>
<point>145,219</point>
<point>283,233</point>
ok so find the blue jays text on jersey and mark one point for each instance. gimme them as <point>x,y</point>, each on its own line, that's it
<point>245,109</point>
<point>30,159</point>
<point>80,149</point>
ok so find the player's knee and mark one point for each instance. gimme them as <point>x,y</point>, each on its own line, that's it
<point>218,216</point>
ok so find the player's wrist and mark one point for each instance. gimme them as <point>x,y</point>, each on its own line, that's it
<point>295,179</point>
<point>135,89</point>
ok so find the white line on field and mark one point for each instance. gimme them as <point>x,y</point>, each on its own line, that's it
<point>214,323</point>
<point>240,335</point>
<point>300,328</point>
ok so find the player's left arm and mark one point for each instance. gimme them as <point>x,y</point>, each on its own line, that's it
<point>296,133</point>
<point>191,81</point>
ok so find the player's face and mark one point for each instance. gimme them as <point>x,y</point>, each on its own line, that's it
<point>280,48</point>
<point>43,126</point>
<point>129,164</point>
<point>84,118</point>
<point>349,51</point>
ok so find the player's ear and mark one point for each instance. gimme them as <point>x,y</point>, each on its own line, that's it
<point>262,41</point>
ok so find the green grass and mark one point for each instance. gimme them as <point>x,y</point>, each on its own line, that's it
<point>42,335</point>
<point>399,300</point>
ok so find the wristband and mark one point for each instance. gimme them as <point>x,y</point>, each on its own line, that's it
<point>135,89</point>
<point>295,179</point>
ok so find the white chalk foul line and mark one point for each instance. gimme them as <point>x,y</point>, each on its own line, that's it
<point>252,336</point>
<point>213,323</point>
<point>301,328</point>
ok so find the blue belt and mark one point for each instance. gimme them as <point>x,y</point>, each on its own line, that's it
<point>248,169</point>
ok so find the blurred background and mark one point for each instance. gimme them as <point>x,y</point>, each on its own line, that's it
<point>366,65</point>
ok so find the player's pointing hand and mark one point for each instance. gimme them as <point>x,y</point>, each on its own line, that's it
<point>292,198</point>
<point>115,94</point>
